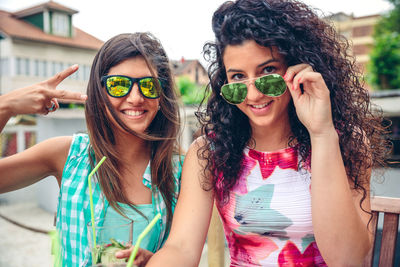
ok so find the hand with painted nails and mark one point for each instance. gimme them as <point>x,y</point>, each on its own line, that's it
<point>142,256</point>
<point>40,98</point>
<point>310,97</point>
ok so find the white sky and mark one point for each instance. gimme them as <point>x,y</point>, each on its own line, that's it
<point>183,26</point>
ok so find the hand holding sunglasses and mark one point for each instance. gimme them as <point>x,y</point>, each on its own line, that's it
<point>272,85</point>
<point>311,98</point>
<point>121,85</point>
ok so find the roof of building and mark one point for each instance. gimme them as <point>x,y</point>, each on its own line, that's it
<point>50,5</point>
<point>341,16</point>
<point>179,66</point>
<point>12,26</point>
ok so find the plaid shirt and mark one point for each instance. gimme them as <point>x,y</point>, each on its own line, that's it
<point>73,212</point>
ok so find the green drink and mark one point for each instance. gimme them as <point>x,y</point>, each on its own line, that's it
<point>110,238</point>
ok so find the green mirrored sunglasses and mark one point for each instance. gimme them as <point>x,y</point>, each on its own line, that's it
<point>121,85</point>
<point>272,85</point>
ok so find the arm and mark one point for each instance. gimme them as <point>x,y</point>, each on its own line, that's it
<point>340,225</point>
<point>336,207</point>
<point>191,218</point>
<point>48,157</point>
<point>30,166</point>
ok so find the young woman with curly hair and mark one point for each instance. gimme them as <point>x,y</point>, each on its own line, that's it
<point>288,147</point>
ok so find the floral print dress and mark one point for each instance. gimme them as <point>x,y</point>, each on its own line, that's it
<point>267,219</point>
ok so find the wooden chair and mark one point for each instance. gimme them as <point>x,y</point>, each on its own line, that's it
<point>390,207</point>
<point>216,241</point>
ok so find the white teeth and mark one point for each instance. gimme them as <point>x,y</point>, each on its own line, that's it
<point>133,113</point>
<point>260,106</point>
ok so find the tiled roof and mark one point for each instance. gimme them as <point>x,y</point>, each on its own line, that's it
<point>179,66</point>
<point>13,27</point>
<point>44,6</point>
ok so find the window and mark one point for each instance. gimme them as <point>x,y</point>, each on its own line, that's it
<point>42,68</point>
<point>27,67</point>
<point>60,24</point>
<point>78,74</point>
<point>36,67</point>
<point>60,67</point>
<point>5,67</point>
<point>18,66</point>
<point>30,139</point>
<point>86,72</point>
<point>53,68</point>
<point>22,66</point>
<point>8,143</point>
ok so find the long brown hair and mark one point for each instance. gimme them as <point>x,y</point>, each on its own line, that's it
<point>162,133</point>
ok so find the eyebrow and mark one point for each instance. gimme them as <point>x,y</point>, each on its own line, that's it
<point>258,66</point>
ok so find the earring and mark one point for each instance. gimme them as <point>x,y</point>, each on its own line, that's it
<point>159,107</point>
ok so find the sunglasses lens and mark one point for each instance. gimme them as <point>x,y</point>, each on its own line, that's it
<point>118,86</point>
<point>271,85</point>
<point>150,87</point>
<point>234,93</point>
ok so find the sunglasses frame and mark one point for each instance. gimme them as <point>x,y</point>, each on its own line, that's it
<point>133,81</point>
<point>245,82</point>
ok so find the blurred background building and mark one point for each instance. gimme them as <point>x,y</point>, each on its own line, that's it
<point>359,31</point>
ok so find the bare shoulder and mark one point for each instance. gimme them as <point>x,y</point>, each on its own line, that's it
<point>196,162</point>
<point>198,144</point>
<point>197,152</point>
<point>52,152</point>
<point>56,150</point>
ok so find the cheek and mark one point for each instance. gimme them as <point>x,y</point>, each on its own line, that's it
<point>154,104</point>
<point>114,101</point>
<point>242,107</point>
<point>285,99</point>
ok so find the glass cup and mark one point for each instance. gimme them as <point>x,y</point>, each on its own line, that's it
<point>111,265</point>
<point>114,235</point>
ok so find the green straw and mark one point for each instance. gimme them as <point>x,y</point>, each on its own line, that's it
<point>55,248</point>
<point>141,236</point>
<point>91,198</point>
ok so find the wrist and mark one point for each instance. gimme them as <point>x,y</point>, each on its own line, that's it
<point>325,136</point>
<point>5,107</point>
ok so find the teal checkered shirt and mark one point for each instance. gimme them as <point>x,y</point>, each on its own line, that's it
<point>73,211</point>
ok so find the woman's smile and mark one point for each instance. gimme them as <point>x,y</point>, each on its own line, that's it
<point>248,61</point>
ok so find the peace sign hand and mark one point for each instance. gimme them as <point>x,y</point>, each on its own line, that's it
<point>312,102</point>
<point>41,98</point>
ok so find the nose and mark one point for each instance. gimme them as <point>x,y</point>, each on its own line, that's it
<point>253,93</point>
<point>134,95</point>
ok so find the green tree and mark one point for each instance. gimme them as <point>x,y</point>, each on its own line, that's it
<point>190,92</point>
<point>384,67</point>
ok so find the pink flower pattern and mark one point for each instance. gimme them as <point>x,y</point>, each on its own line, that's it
<point>291,256</point>
<point>248,248</point>
<point>285,159</point>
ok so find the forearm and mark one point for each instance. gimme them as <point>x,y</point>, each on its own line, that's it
<point>171,256</point>
<point>341,234</point>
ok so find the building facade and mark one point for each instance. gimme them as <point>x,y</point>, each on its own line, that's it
<point>192,69</point>
<point>38,42</point>
<point>359,31</point>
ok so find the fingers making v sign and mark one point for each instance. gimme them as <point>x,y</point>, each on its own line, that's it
<point>41,98</point>
<point>310,97</point>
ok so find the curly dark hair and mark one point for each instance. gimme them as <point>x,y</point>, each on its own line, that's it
<point>300,37</point>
